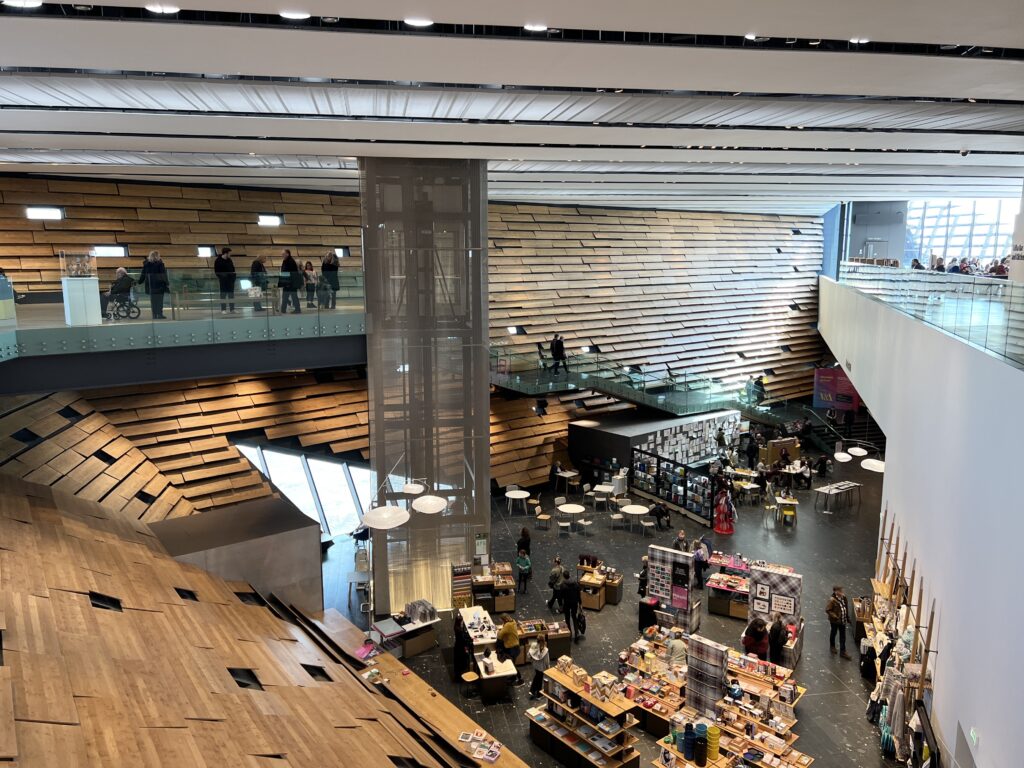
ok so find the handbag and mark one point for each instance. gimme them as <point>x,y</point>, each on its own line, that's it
<point>581,622</point>
<point>255,292</point>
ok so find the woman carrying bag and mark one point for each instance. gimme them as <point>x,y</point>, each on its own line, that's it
<point>540,657</point>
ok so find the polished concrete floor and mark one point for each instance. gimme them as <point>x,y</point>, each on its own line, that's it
<point>826,549</point>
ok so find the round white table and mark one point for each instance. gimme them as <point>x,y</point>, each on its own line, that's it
<point>572,509</point>
<point>565,476</point>
<point>517,496</point>
<point>635,511</point>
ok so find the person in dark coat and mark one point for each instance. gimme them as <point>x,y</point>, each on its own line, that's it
<point>155,283</point>
<point>224,268</point>
<point>753,451</point>
<point>755,639</point>
<point>642,587</point>
<point>524,541</point>
<point>838,612</point>
<point>329,272</point>
<point>777,636</point>
<point>290,281</point>
<point>571,603</point>
<point>120,290</point>
<point>462,651</point>
<point>258,276</point>
<point>558,354</point>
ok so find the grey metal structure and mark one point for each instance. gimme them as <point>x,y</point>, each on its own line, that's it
<point>425,260</point>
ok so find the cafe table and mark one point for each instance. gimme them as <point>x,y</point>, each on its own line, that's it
<point>517,498</point>
<point>635,512</point>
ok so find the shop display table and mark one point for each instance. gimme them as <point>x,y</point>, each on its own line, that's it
<point>494,685</point>
<point>728,595</point>
<point>415,636</point>
<point>480,627</point>
<point>517,499</point>
<point>842,492</point>
<point>558,634</point>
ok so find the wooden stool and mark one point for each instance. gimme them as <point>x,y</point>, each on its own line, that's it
<point>469,679</point>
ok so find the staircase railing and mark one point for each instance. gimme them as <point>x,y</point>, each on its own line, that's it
<point>866,444</point>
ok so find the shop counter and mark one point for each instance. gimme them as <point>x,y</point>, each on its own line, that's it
<point>494,684</point>
<point>592,591</point>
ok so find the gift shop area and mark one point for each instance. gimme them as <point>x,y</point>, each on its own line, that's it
<point>446,383</point>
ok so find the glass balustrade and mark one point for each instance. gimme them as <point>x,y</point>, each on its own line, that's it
<point>190,307</point>
<point>671,391</point>
<point>985,311</point>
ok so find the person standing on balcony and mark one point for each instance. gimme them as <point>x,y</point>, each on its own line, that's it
<point>329,271</point>
<point>557,349</point>
<point>289,282</point>
<point>915,264</point>
<point>309,278</point>
<point>258,276</point>
<point>224,268</point>
<point>154,275</point>
<point>938,265</point>
<point>954,268</point>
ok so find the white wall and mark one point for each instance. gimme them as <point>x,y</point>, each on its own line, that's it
<point>954,423</point>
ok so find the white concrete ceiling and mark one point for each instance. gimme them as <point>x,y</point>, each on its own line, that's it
<point>714,129</point>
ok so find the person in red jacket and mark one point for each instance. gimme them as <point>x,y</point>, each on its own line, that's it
<point>755,639</point>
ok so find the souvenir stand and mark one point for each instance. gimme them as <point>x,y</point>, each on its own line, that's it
<point>658,688</point>
<point>897,649</point>
<point>706,662</point>
<point>777,589</point>
<point>670,580</point>
<point>584,719</point>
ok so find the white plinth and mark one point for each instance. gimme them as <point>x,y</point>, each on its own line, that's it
<point>81,300</point>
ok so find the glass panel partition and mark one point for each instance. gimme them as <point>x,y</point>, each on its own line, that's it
<point>985,311</point>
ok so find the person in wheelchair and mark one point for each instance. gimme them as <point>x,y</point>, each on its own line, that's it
<point>117,302</point>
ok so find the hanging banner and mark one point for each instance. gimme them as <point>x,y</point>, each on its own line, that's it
<point>833,389</point>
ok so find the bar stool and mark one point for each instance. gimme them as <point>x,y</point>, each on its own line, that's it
<point>469,680</point>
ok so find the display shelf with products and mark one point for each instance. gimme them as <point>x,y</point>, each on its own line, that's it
<point>494,587</point>
<point>462,585</point>
<point>683,488</point>
<point>727,595</point>
<point>698,489</point>
<point>658,688</point>
<point>584,720</point>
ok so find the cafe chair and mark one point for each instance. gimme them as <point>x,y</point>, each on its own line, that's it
<point>617,518</point>
<point>508,502</point>
<point>534,501</point>
<point>574,484</point>
<point>588,495</point>
<point>541,517</point>
<point>586,525</point>
<point>647,525</point>
<point>771,514</point>
<point>564,526</point>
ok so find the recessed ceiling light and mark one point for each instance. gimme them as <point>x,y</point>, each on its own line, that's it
<point>418,22</point>
<point>750,36</point>
<point>531,27</point>
<point>295,15</point>
<point>859,40</point>
<point>23,3</point>
<point>329,19</point>
<point>814,42</point>
<point>165,9</point>
<point>270,220</point>
<point>44,213</point>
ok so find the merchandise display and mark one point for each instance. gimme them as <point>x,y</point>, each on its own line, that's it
<point>670,580</point>
<point>584,717</point>
<point>494,587</point>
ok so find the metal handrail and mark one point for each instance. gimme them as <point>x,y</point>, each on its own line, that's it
<point>865,443</point>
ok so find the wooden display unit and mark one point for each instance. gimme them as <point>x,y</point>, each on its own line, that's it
<point>558,634</point>
<point>494,588</point>
<point>592,591</point>
<point>579,729</point>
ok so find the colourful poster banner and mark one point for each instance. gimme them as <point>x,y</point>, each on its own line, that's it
<point>833,389</point>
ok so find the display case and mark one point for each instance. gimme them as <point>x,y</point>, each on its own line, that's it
<point>698,490</point>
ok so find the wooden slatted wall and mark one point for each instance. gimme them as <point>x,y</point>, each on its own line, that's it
<point>170,218</point>
<point>714,293</point>
<point>61,441</point>
<point>149,682</point>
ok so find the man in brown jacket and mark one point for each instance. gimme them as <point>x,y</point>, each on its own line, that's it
<point>838,611</point>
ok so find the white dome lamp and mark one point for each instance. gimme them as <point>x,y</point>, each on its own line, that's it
<point>873,465</point>
<point>857,451</point>
<point>842,457</point>
<point>385,518</point>
<point>430,505</point>
<point>414,488</point>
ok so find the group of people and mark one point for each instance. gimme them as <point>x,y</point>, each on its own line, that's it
<point>565,597</point>
<point>321,289</point>
<point>700,547</point>
<point>764,641</point>
<point>996,267</point>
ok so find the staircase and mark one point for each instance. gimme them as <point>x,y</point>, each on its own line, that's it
<point>865,431</point>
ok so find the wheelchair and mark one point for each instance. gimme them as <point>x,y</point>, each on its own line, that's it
<point>122,306</point>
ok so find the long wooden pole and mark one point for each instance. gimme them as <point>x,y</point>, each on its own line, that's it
<point>881,543</point>
<point>894,556</point>
<point>910,596</point>
<point>917,621</point>
<point>927,648</point>
<point>901,581</point>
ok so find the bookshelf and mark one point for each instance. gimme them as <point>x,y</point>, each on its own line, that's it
<point>580,728</point>
<point>462,585</point>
